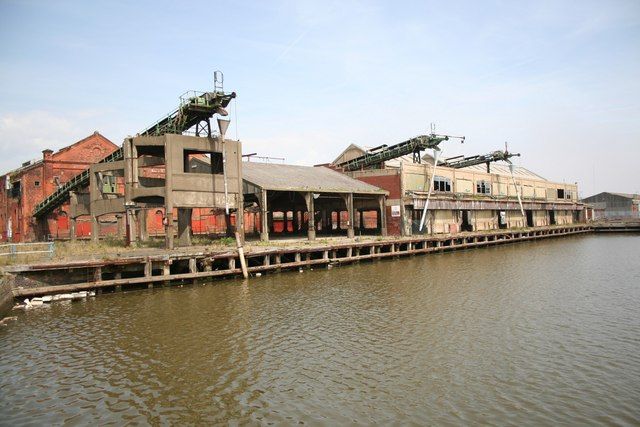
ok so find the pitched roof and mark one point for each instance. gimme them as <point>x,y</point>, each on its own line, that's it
<point>32,163</point>
<point>626,195</point>
<point>320,179</point>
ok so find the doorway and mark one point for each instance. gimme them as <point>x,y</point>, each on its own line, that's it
<point>529,218</point>
<point>466,225</point>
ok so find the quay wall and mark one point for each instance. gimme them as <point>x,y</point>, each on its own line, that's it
<point>6,294</point>
<point>172,267</point>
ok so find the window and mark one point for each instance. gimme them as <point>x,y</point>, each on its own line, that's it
<point>567,195</point>
<point>109,184</point>
<point>36,183</point>
<point>15,189</point>
<point>483,187</point>
<point>560,193</point>
<point>441,183</point>
<point>202,162</point>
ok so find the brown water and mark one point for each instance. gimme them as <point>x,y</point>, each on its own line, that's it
<point>532,333</point>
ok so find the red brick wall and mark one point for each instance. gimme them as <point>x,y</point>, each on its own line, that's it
<point>55,169</point>
<point>391,183</point>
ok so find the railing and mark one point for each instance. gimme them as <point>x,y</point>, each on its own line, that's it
<point>13,250</point>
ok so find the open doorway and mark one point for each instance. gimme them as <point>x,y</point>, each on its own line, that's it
<point>502,219</point>
<point>552,217</point>
<point>529,215</point>
<point>466,224</point>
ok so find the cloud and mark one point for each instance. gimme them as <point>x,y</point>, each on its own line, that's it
<point>24,135</point>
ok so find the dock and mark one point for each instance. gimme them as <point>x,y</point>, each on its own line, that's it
<point>173,267</point>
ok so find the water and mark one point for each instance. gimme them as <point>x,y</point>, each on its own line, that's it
<point>524,334</point>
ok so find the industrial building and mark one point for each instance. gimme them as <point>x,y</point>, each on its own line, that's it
<point>339,203</point>
<point>461,198</point>
<point>165,183</point>
<point>27,186</point>
<point>607,205</point>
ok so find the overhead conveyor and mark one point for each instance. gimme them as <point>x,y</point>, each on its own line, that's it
<point>195,109</point>
<point>463,162</point>
<point>383,153</point>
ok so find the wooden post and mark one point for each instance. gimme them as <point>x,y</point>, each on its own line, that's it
<point>264,216</point>
<point>350,225</point>
<point>311,209</point>
<point>243,262</point>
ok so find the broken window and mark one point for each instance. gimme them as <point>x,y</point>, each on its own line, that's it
<point>15,189</point>
<point>441,183</point>
<point>567,195</point>
<point>560,193</point>
<point>202,162</point>
<point>109,184</point>
<point>483,187</point>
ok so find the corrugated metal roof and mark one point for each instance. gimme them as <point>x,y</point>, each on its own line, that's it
<point>627,195</point>
<point>279,177</point>
<point>503,169</point>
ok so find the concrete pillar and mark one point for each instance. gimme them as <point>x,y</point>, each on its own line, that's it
<point>72,229</point>
<point>130,225</point>
<point>383,216</point>
<point>120,220</point>
<point>295,221</point>
<point>312,220</point>
<point>95,228</point>
<point>351,216</point>
<point>264,217</point>
<point>142,225</point>
<point>184,226</point>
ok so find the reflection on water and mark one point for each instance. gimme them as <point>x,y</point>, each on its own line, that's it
<point>531,333</point>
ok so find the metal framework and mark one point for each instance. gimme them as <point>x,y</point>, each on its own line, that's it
<point>195,109</point>
<point>383,153</point>
<point>463,162</point>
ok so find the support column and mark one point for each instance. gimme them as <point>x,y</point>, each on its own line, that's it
<point>72,229</point>
<point>130,225</point>
<point>121,230</point>
<point>383,216</point>
<point>184,226</point>
<point>95,228</point>
<point>311,232</point>
<point>264,217</point>
<point>361,213</point>
<point>142,224</point>
<point>295,221</point>
<point>350,213</point>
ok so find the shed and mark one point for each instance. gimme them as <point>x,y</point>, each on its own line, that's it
<point>297,190</point>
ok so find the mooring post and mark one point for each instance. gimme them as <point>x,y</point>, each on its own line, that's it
<point>243,262</point>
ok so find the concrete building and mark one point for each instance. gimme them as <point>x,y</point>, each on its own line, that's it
<point>466,199</point>
<point>25,187</point>
<point>608,205</point>
<point>169,177</point>
<point>288,193</point>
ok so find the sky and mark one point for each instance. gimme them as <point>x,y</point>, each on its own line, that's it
<point>558,80</point>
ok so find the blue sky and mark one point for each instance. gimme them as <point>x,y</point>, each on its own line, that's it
<point>558,80</point>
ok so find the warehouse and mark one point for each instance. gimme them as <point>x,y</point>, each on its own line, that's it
<point>464,199</point>
<point>28,185</point>
<point>287,193</point>
<point>609,205</point>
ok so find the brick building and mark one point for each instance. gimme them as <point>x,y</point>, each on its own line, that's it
<point>25,187</point>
